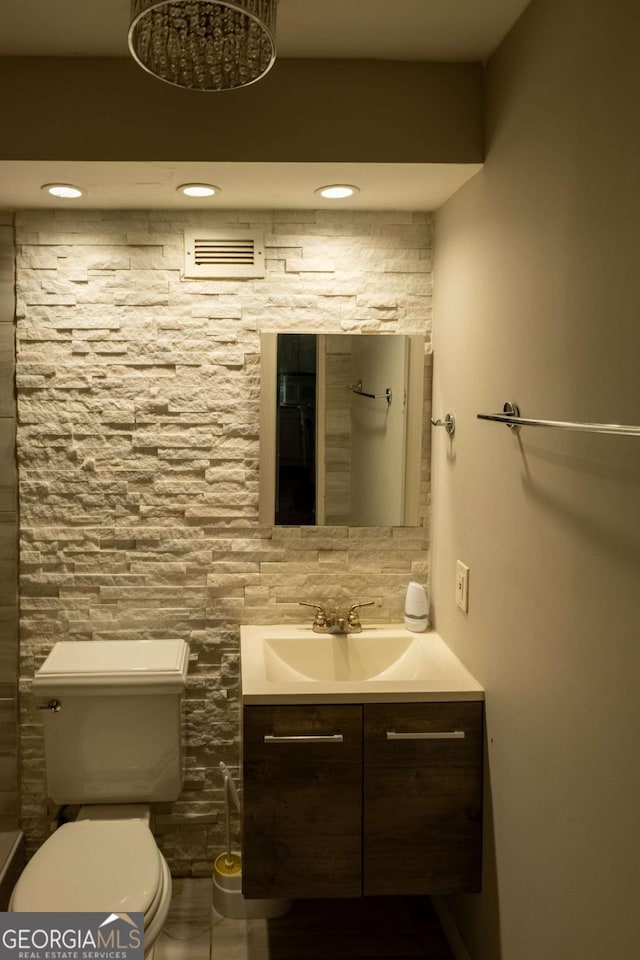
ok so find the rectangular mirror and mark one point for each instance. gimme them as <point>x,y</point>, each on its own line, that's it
<point>340,429</point>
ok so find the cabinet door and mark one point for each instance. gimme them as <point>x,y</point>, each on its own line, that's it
<point>422,798</point>
<point>302,820</point>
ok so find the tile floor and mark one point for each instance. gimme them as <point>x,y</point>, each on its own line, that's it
<point>381,928</point>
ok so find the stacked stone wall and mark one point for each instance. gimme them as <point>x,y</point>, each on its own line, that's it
<point>138,446</point>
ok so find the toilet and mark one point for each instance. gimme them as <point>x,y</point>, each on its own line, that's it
<point>113,746</point>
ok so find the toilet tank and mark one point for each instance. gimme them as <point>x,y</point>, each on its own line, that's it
<point>117,735</point>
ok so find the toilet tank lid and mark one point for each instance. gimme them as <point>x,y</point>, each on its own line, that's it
<point>114,666</point>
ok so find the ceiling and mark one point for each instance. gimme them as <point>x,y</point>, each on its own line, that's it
<point>436,30</point>
<point>453,30</point>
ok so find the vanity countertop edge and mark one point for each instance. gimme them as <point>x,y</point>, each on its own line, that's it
<point>444,678</point>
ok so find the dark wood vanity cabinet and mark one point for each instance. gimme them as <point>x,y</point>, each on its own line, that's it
<point>302,801</point>
<point>362,799</point>
<point>422,799</point>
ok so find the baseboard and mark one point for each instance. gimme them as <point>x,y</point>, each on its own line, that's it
<point>451,932</point>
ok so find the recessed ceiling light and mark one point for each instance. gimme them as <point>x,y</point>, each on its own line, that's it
<point>198,189</point>
<point>66,191</point>
<point>337,191</point>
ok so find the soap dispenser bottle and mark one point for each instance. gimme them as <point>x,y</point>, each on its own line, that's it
<point>416,608</point>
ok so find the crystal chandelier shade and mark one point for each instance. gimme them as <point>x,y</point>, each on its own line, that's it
<point>204,44</point>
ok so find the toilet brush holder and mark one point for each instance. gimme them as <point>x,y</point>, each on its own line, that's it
<point>228,900</point>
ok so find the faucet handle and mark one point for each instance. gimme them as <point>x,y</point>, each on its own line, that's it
<point>320,619</point>
<point>354,618</point>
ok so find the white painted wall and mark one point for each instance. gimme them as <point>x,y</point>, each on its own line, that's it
<point>537,300</point>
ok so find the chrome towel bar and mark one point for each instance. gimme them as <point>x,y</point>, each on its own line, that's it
<point>359,392</point>
<point>511,416</point>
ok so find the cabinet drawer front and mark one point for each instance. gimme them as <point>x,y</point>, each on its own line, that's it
<point>302,822</point>
<point>422,797</point>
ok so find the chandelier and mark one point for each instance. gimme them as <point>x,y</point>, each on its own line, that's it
<point>204,44</point>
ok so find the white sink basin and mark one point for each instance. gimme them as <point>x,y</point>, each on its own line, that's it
<point>291,664</point>
<point>356,656</point>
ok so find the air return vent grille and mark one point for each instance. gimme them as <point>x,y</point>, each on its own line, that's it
<point>223,254</point>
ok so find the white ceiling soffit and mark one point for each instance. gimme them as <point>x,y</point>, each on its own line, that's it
<point>289,186</point>
<point>463,30</point>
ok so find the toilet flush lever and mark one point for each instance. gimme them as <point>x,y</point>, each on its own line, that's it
<point>54,706</point>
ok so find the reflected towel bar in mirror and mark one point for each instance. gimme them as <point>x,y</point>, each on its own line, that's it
<point>511,416</point>
<point>357,389</point>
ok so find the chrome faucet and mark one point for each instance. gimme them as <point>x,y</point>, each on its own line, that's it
<point>332,622</point>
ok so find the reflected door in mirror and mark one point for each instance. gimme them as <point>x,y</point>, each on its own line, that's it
<point>296,430</point>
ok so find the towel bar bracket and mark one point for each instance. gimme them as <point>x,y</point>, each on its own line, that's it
<point>449,423</point>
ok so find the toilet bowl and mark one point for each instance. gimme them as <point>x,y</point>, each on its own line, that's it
<point>97,865</point>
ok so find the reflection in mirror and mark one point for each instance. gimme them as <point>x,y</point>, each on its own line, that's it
<point>296,429</point>
<point>341,429</point>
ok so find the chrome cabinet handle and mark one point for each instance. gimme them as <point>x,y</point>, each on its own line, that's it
<point>311,738</point>
<point>440,735</point>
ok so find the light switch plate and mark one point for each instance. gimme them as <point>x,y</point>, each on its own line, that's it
<point>462,586</point>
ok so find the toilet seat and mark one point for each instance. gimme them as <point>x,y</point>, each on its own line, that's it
<point>95,866</point>
<point>155,919</point>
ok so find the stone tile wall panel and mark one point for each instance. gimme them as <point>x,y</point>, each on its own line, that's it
<point>9,774</point>
<point>138,447</point>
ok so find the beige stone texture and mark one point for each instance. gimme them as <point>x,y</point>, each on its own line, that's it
<point>139,454</point>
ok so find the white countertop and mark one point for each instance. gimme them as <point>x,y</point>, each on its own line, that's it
<point>289,663</point>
